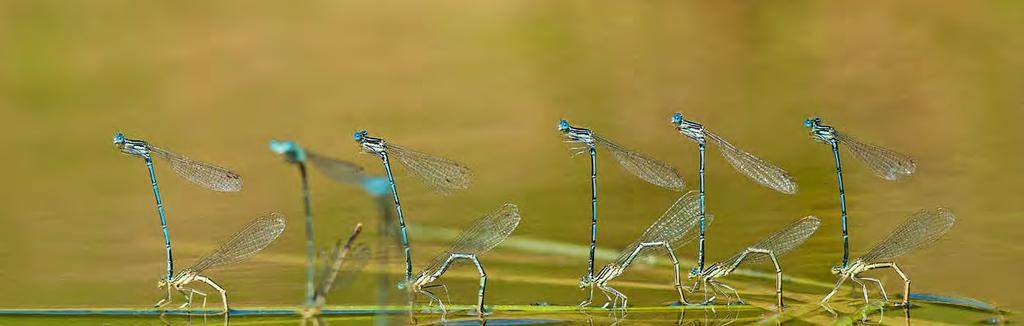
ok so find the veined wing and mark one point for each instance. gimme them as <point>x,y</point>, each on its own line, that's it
<point>756,169</point>
<point>920,229</point>
<point>245,243</point>
<point>677,226</point>
<point>338,170</point>
<point>653,171</point>
<point>887,164</point>
<point>444,175</point>
<point>782,241</point>
<point>201,173</point>
<point>484,234</point>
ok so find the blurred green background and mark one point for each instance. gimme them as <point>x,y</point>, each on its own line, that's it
<point>484,83</point>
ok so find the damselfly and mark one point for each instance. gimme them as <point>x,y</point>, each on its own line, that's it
<point>653,171</point>
<point>245,243</point>
<point>204,174</point>
<point>442,174</point>
<point>673,229</point>
<point>484,234</point>
<point>756,169</point>
<point>920,229</point>
<point>769,249</point>
<point>885,163</point>
<point>339,260</point>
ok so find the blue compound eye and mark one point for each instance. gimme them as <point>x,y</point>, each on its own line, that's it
<point>359,135</point>
<point>563,125</point>
<point>693,271</point>
<point>118,138</point>
<point>808,123</point>
<point>677,118</point>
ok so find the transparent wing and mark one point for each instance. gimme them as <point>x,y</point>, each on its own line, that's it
<point>782,241</point>
<point>484,234</point>
<point>677,226</point>
<point>339,254</point>
<point>920,229</point>
<point>887,164</point>
<point>444,175</point>
<point>338,170</point>
<point>653,171</point>
<point>756,169</point>
<point>204,174</point>
<point>245,243</point>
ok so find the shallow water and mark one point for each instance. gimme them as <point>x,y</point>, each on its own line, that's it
<point>485,84</point>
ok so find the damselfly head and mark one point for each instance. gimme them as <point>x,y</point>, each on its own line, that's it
<point>563,125</point>
<point>402,284</point>
<point>694,272</point>
<point>677,119</point>
<point>585,281</point>
<point>291,151</point>
<point>811,123</point>
<point>119,139</point>
<point>837,269</point>
<point>359,136</point>
<point>161,283</point>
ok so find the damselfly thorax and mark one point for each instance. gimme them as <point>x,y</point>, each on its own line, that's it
<point>608,273</point>
<point>372,145</point>
<point>711,272</point>
<point>131,146</point>
<point>577,135</point>
<point>693,130</point>
<point>820,132</point>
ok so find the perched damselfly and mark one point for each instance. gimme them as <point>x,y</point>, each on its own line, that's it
<point>245,243</point>
<point>673,229</point>
<point>442,174</point>
<point>484,234</point>
<point>651,170</point>
<point>769,249</point>
<point>885,163</point>
<point>919,230</point>
<point>758,170</point>
<point>204,174</point>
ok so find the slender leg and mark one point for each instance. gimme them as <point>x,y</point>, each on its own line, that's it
<point>863,287</point>
<point>906,280</point>
<point>188,299</point>
<point>432,299</point>
<point>165,300</point>
<point>675,264</point>
<point>618,295</point>
<point>479,268</point>
<point>842,203</point>
<point>589,299</point>
<point>734,292</point>
<point>444,288</point>
<point>223,293</point>
<point>836,288</point>
<point>707,300</point>
<point>880,287</point>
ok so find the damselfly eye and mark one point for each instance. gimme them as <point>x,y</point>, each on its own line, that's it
<point>677,118</point>
<point>118,138</point>
<point>359,135</point>
<point>808,123</point>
